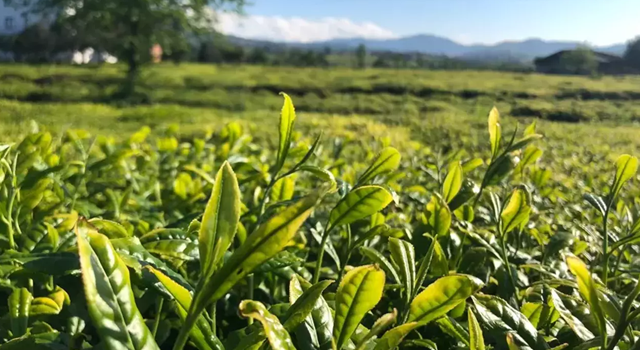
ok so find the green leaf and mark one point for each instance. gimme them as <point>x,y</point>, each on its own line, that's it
<point>110,228</point>
<point>588,291</point>
<point>453,182</point>
<point>201,335</point>
<point>360,291</point>
<point>531,129</point>
<point>320,173</point>
<point>476,340</point>
<point>439,261</point>
<point>469,190</point>
<point>573,322</point>
<point>379,259</point>
<point>495,131</point>
<point>438,216</point>
<point>394,336</point>
<point>403,255</point>
<point>471,164</point>
<point>19,306</point>
<point>287,118</point>
<point>386,161</point>
<point>283,189</point>
<point>358,204</point>
<point>317,331</point>
<point>268,240</point>
<point>219,222</point>
<point>303,304</point>
<point>451,327</point>
<point>530,155</point>
<point>499,318</point>
<point>52,304</point>
<point>441,297</point>
<point>597,202</point>
<point>279,338</point>
<point>523,142</point>
<point>168,245</point>
<point>626,168</point>
<point>517,211</point>
<point>498,170</point>
<point>110,300</point>
<point>385,321</point>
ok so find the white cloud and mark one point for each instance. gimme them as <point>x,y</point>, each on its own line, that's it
<point>296,29</point>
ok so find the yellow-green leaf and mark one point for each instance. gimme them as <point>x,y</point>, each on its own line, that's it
<point>110,300</point>
<point>283,189</point>
<point>201,335</point>
<point>303,304</point>
<point>438,216</point>
<point>495,131</point>
<point>287,118</point>
<point>588,290</point>
<point>220,221</point>
<point>279,338</point>
<point>441,297</point>
<point>360,291</point>
<point>386,161</point>
<point>626,168</point>
<point>476,340</point>
<point>517,211</point>
<point>453,182</point>
<point>358,204</point>
<point>392,338</point>
<point>385,321</point>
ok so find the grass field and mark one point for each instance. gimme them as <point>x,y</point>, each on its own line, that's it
<point>402,104</point>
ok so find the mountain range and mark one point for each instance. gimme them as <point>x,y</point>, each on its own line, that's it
<point>522,51</point>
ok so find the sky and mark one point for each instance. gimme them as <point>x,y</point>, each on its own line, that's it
<point>596,22</point>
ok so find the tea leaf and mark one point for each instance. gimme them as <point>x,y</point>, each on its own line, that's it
<point>277,335</point>
<point>358,204</point>
<point>453,182</point>
<point>495,131</point>
<point>19,306</point>
<point>476,340</point>
<point>386,161</point>
<point>517,211</point>
<point>110,299</point>
<point>588,290</point>
<point>359,292</point>
<point>441,297</point>
<point>287,118</point>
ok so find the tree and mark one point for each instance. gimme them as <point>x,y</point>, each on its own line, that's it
<point>128,29</point>
<point>361,56</point>
<point>632,54</point>
<point>581,61</point>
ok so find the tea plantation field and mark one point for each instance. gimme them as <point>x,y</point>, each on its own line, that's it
<point>387,209</point>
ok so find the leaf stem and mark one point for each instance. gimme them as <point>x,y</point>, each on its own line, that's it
<point>605,245</point>
<point>325,238</point>
<point>505,258</point>
<point>156,322</point>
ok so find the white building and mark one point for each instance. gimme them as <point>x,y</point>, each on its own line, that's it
<point>15,19</point>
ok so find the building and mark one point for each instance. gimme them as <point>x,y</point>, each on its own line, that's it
<point>606,64</point>
<point>15,19</point>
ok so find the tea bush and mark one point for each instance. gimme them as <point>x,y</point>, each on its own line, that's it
<point>225,241</point>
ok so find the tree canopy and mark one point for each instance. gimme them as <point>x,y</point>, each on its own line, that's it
<point>128,29</point>
<point>632,55</point>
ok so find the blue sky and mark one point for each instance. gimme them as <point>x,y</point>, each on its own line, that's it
<point>597,22</point>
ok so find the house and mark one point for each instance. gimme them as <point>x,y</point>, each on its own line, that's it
<point>15,19</point>
<point>558,63</point>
